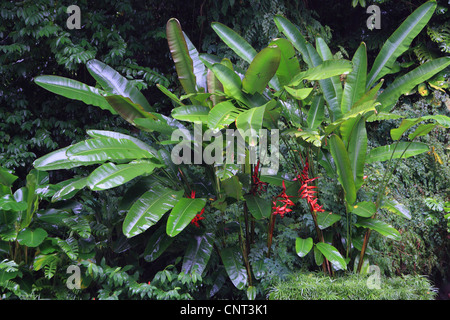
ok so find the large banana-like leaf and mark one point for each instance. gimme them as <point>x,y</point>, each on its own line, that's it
<point>110,175</point>
<point>355,86</point>
<point>106,149</point>
<point>289,65</point>
<point>149,209</point>
<point>180,55</point>
<point>223,114</point>
<point>325,53</point>
<point>198,253</point>
<point>233,40</point>
<point>182,214</point>
<point>70,189</point>
<point>316,112</point>
<point>294,36</point>
<point>73,89</point>
<point>357,149</point>
<point>191,113</point>
<point>406,124</point>
<point>198,66</point>
<point>234,266</point>
<point>112,82</point>
<point>261,70</point>
<point>323,70</point>
<point>379,226</point>
<point>385,152</point>
<point>214,86</point>
<point>343,167</point>
<point>407,82</point>
<point>400,41</point>
<point>250,122</point>
<point>127,109</point>
<point>332,254</point>
<point>58,160</point>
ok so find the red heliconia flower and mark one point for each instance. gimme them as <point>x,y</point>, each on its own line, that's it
<point>198,216</point>
<point>283,198</point>
<point>257,185</point>
<point>307,191</point>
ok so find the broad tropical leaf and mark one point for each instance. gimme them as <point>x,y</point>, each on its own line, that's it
<point>316,112</point>
<point>73,89</point>
<point>250,122</point>
<point>327,219</point>
<point>332,254</point>
<point>112,82</point>
<point>289,65</point>
<point>127,109</point>
<point>364,209</point>
<point>198,253</point>
<point>259,208</point>
<point>58,159</point>
<point>182,214</point>
<point>149,209</point>
<point>223,114</point>
<point>303,246</point>
<point>379,226</point>
<point>234,267</point>
<point>357,150</point>
<point>385,152</point>
<point>355,85</point>
<point>191,113</point>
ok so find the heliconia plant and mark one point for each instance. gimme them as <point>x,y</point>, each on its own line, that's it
<point>321,112</point>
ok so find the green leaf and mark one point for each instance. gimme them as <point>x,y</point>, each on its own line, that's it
<point>198,253</point>
<point>316,112</point>
<point>294,36</point>
<point>104,149</point>
<point>149,209</point>
<point>114,83</point>
<point>299,94</point>
<point>397,208</point>
<point>323,70</point>
<point>157,244</point>
<point>400,41</point>
<point>303,246</point>
<point>357,149</point>
<point>73,89</point>
<point>191,113</point>
<point>8,203</point>
<point>384,153</point>
<point>182,214</point>
<point>289,65</point>
<point>231,83</point>
<point>381,227</point>
<point>32,238</point>
<point>58,159</point>
<point>343,167</point>
<point>364,209</point>
<point>6,177</point>
<point>233,40</point>
<point>223,114</point>
<point>250,122</point>
<point>326,219</point>
<point>127,109</point>
<point>355,84</point>
<point>198,66</point>
<point>110,175</point>
<point>407,82</point>
<point>261,70</point>
<point>258,207</point>
<point>422,130</point>
<point>70,189</point>
<point>332,254</point>
<point>234,267</point>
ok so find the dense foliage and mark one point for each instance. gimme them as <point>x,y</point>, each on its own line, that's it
<point>363,131</point>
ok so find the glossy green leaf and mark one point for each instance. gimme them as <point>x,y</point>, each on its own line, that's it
<point>127,109</point>
<point>400,41</point>
<point>316,113</point>
<point>343,167</point>
<point>149,209</point>
<point>191,113</point>
<point>58,159</point>
<point>182,214</point>
<point>8,203</point>
<point>323,70</point>
<point>104,149</point>
<point>332,254</point>
<point>223,114</point>
<point>198,66</point>
<point>118,135</point>
<point>110,175</point>
<point>422,130</point>
<point>407,82</point>
<point>381,227</point>
<point>250,122</point>
<point>357,150</point>
<point>261,70</point>
<point>259,208</point>
<point>157,244</point>
<point>6,177</point>
<point>73,89</point>
<point>294,36</point>
<point>114,83</point>
<point>299,94</point>
<point>355,85</point>
<point>234,267</point>
<point>70,189</point>
<point>198,253</point>
<point>231,83</point>
<point>233,40</point>
<point>364,209</point>
<point>327,219</point>
<point>32,238</point>
<point>397,208</point>
<point>384,153</point>
<point>303,246</point>
<point>289,65</point>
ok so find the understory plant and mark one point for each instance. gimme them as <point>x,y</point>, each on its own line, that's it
<point>186,180</point>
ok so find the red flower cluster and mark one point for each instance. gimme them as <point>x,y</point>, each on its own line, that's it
<point>257,185</point>
<point>283,198</point>
<point>307,191</point>
<point>198,216</point>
